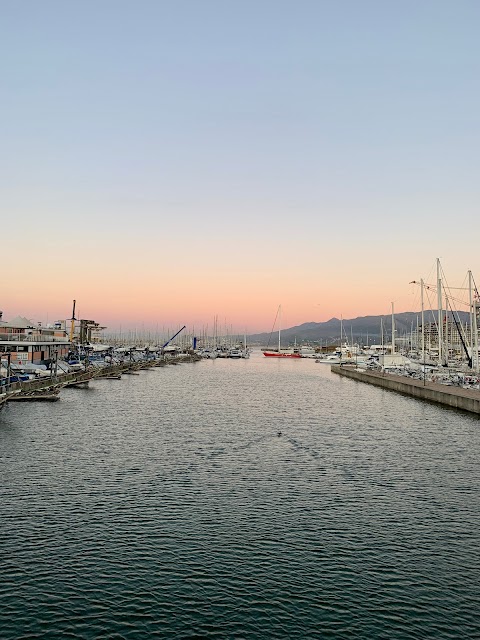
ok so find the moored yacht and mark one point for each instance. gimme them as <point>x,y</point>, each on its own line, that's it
<point>281,353</point>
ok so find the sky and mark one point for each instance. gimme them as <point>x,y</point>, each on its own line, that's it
<point>165,162</point>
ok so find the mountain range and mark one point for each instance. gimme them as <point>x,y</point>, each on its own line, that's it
<point>364,328</point>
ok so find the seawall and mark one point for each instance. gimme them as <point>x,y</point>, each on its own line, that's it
<point>464,399</point>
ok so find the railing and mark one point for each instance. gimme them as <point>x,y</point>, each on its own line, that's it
<point>23,337</point>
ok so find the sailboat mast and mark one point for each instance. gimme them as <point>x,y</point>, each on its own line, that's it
<point>423,323</point>
<point>446,350</point>
<point>279,325</point>
<point>475,337</point>
<point>393,329</point>
<point>470,296</point>
<point>440,313</point>
<point>473,324</point>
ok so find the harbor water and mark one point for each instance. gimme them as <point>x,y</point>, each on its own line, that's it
<point>259,498</point>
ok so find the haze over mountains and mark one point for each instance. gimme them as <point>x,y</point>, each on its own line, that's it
<point>363,328</point>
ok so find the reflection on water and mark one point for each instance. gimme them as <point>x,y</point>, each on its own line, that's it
<point>239,499</point>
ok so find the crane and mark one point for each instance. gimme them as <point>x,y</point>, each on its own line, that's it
<point>174,336</point>
<point>72,326</point>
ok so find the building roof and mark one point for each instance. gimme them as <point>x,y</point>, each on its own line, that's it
<point>19,323</point>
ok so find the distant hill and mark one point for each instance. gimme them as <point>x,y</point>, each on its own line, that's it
<point>366,326</point>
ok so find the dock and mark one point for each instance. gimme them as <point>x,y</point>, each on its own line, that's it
<point>48,389</point>
<point>454,397</point>
<point>78,380</point>
<point>34,397</point>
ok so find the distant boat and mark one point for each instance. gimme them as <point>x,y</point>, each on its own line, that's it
<point>284,353</point>
<point>308,352</point>
<point>281,353</point>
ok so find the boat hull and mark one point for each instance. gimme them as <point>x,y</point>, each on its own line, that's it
<point>275,354</point>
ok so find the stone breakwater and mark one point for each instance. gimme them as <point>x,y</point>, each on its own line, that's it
<point>454,397</point>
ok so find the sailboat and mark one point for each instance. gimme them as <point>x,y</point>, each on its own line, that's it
<point>281,353</point>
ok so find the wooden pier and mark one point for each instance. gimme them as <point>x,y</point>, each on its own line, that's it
<point>48,389</point>
<point>34,397</point>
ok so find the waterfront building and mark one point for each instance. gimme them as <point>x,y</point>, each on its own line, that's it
<point>30,342</point>
<point>452,337</point>
<point>84,331</point>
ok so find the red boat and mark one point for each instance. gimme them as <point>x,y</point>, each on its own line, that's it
<point>276,354</point>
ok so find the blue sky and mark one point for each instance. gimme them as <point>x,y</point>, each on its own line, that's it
<point>310,124</point>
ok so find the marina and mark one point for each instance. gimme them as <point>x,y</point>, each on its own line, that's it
<point>240,321</point>
<point>240,482</point>
<point>322,510</point>
<point>48,389</point>
<point>36,362</point>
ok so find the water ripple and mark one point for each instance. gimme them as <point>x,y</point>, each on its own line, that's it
<point>229,499</point>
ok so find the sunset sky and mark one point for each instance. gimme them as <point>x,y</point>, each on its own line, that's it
<point>167,161</point>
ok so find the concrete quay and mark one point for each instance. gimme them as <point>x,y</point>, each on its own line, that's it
<point>455,397</point>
